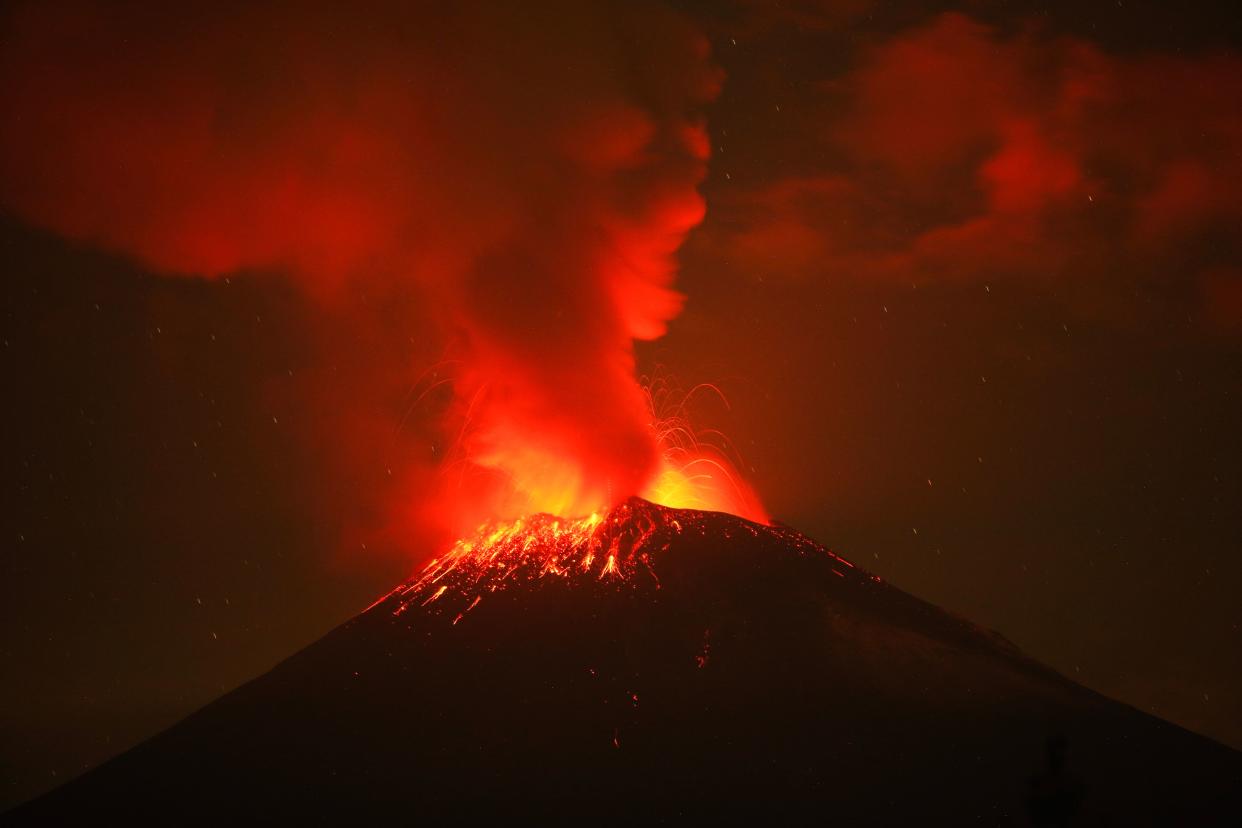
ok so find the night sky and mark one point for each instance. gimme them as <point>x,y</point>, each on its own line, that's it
<point>969,279</point>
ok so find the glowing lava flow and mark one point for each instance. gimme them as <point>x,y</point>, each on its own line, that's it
<point>619,547</point>
<point>611,546</point>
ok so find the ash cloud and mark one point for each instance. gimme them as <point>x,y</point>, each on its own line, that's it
<point>531,170</point>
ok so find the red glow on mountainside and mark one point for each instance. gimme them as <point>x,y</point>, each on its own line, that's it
<point>620,546</point>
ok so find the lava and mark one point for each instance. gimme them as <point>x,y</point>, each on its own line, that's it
<point>618,547</point>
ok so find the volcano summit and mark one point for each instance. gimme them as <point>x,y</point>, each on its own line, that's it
<point>650,665</point>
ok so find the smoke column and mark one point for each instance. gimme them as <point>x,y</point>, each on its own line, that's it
<point>532,168</point>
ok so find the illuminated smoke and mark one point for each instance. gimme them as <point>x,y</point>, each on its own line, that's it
<point>532,168</point>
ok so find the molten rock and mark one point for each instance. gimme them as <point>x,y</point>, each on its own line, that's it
<point>653,664</point>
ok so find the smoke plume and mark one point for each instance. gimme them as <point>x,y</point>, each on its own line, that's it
<point>532,168</point>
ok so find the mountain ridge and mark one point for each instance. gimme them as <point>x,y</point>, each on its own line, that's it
<point>660,664</point>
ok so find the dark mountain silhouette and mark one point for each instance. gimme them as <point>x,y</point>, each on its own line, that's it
<point>659,665</point>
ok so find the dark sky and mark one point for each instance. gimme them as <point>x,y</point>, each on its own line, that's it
<point>969,278</point>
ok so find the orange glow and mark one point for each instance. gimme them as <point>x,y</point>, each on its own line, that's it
<point>707,483</point>
<point>512,476</point>
<point>695,473</point>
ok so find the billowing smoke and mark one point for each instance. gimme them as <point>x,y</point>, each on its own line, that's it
<point>531,167</point>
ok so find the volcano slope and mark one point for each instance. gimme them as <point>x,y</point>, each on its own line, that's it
<point>659,665</point>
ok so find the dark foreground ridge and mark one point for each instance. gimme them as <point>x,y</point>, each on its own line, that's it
<point>659,665</point>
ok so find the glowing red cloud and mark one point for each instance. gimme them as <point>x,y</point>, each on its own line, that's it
<point>960,152</point>
<point>533,171</point>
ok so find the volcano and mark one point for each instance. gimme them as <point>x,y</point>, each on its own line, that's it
<point>650,665</point>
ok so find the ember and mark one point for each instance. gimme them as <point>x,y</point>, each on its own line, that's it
<point>620,546</point>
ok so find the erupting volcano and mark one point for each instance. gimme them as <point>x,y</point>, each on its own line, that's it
<point>651,664</point>
<point>618,632</point>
